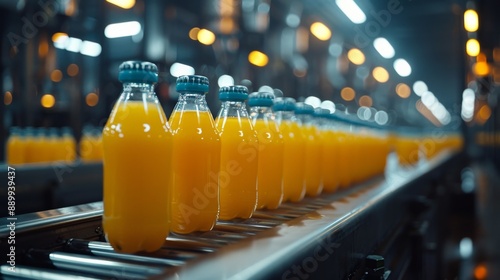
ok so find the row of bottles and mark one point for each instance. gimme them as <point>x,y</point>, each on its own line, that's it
<point>412,147</point>
<point>183,173</point>
<point>43,145</point>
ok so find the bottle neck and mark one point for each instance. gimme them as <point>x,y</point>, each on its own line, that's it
<point>305,119</point>
<point>139,92</point>
<point>191,101</point>
<point>233,109</point>
<point>286,116</point>
<point>260,112</point>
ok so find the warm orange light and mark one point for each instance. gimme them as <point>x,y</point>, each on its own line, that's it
<point>366,101</point>
<point>258,58</point>
<point>472,47</point>
<point>496,54</point>
<point>124,4</point>
<point>481,68</point>
<point>43,48</point>
<point>206,37</point>
<point>321,31</point>
<point>92,99</point>
<point>48,100</point>
<point>56,76</point>
<point>7,98</point>
<point>299,73</point>
<point>356,56</point>
<point>403,90</point>
<point>72,70</point>
<point>484,112</point>
<point>471,21</point>
<point>380,74</point>
<point>193,33</point>
<point>59,36</point>
<point>227,25</point>
<point>347,94</point>
<point>480,272</point>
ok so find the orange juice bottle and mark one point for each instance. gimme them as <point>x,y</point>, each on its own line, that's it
<point>239,155</point>
<point>293,150</point>
<point>330,152</point>
<point>15,147</point>
<point>89,148</point>
<point>29,145</point>
<point>67,148</point>
<point>53,144</point>
<point>313,147</point>
<point>40,147</point>
<point>196,158</point>
<point>270,167</point>
<point>137,147</point>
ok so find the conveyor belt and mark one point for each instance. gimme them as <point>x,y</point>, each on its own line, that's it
<point>328,236</point>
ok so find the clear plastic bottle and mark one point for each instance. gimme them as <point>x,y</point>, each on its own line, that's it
<point>294,149</point>
<point>137,164</point>
<point>15,147</point>
<point>196,157</point>
<point>313,147</point>
<point>53,144</point>
<point>239,155</point>
<point>270,170</point>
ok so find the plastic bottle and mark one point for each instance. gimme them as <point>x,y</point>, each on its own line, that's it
<point>15,147</point>
<point>196,157</point>
<point>293,151</point>
<point>270,169</point>
<point>30,145</point>
<point>137,147</point>
<point>239,155</point>
<point>330,155</point>
<point>68,145</point>
<point>313,147</point>
<point>53,144</point>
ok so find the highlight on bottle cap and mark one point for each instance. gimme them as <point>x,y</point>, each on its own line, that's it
<point>264,99</point>
<point>192,83</point>
<point>138,72</point>
<point>302,108</point>
<point>321,112</point>
<point>233,93</point>
<point>284,104</point>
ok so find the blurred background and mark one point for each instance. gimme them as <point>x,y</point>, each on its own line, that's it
<point>424,64</point>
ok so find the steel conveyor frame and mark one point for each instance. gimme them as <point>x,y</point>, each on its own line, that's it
<point>327,237</point>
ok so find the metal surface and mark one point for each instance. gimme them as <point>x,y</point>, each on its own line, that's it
<point>327,236</point>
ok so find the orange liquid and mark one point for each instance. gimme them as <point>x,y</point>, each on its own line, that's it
<point>346,153</point>
<point>312,172</point>
<point>270,171</point>
<point>330,162</point>
<point>30,149</point>
<point>67,149</point>
<point>407,150</point>
<point>15,150</point>
<point>90,148</point>
<point>137,145</point>
<point>195,170</point>
<point>293,162</point>
<point>238,168</point>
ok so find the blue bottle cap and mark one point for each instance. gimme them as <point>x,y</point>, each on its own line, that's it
<point>138,72</point>
<point>264,99</point>
<point>302,108</point>
<point>192,83</point>
<point>233,93</point>
<point>284,104</point>
<point>321,112</point>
